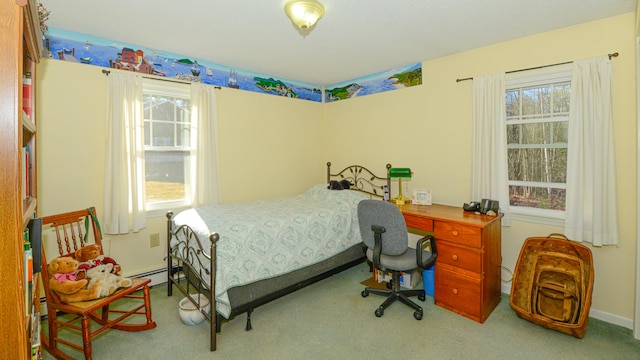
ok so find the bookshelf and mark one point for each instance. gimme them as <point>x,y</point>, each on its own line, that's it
<point>20,49</point>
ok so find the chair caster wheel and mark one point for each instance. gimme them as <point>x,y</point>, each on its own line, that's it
<point>379,312</point>
<point>422,297</point>
<point>364,293</point>
<point>417,315</point>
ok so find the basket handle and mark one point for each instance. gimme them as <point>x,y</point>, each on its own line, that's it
<point>556,291</point>
<point>571,243</point>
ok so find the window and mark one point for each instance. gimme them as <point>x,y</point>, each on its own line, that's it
<point>167,145</point>
<point>537,132</point>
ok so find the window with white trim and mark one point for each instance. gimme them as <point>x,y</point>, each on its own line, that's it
<point>537,136</point>
<point>167,145</point>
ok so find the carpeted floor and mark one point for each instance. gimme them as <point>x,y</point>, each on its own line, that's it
<point>331,320</point>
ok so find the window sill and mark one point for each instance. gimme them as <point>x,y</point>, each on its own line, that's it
<point>161,213</point>
<point>157,210</point>
<point>539,216</point>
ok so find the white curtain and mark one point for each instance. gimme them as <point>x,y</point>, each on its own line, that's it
<point>489,168</point>
<point>124,204</point>
<point>204,118</point>
<point>591,209</point>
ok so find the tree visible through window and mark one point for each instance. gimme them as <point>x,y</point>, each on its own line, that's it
<point>537,131</point>
<point>167,133</point>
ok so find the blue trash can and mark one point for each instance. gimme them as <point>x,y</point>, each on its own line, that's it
<point>427,277</point>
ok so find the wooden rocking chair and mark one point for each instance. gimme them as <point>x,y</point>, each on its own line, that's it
<point>73,231</point>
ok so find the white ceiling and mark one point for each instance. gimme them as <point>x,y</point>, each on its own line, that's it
<point>355,38</point>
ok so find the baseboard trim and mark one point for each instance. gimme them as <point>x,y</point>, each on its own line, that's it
<point>594,313</point>
<point>611,318</point>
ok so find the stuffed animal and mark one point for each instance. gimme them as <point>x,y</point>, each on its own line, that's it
<point>339,185</point>
<point>101,276</point>
<point>63,281</point>
<point>90,256</point>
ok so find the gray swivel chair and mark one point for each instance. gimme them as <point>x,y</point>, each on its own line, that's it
<point>384,232</point>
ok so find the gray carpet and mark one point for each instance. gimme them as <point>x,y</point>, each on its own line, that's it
<point>331,320</point>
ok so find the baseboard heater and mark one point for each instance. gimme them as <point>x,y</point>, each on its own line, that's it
<point>158,276</point>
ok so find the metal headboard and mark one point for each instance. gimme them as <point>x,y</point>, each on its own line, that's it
<point>362,179</point>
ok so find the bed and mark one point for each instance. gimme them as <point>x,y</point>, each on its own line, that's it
<point>240,256</point>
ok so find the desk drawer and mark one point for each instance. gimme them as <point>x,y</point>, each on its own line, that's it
<point>457,293</point>
<point>418,222</point>
<point>466,235</point>
<point>459,257</point>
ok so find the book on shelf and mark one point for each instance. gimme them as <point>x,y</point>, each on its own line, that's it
<point>35,318</point>
<point>27,177</point>
<point>35,330</point>
<point>27,95</point>
<point>34,229</point>
<point>23,172</point>
<point>34,335</point>
<point>32,243</point>
<point>28,278</point>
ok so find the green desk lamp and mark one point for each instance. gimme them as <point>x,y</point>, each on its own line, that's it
<point>400,173</point>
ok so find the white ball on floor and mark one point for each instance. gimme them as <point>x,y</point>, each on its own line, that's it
<point>189,313</point>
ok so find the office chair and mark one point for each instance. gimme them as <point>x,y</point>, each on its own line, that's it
<point>384,232</point>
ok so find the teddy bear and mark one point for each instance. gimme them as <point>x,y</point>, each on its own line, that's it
<point>101,276</point>
<point>62,271</point>
<point>90,256</point>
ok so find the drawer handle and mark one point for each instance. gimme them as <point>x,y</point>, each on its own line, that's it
<point>455,232</point>
<point>455,291</point>
<point>454,257</point>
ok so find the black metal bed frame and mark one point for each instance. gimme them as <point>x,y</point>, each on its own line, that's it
<point>182,257</point>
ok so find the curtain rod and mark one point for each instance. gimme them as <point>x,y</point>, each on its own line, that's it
<point>107,72</point>
<point>615,54</point>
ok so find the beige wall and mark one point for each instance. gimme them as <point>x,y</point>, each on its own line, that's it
<point>269,147</point>
<point>427,128</point>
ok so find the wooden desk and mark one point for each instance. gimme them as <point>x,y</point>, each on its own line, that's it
<point>468,268</point>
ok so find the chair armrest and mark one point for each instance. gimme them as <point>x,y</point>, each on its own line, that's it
<point>377,248</point>
<point>425,263</point>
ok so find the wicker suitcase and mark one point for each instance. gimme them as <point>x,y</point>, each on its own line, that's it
<point>553,283</point>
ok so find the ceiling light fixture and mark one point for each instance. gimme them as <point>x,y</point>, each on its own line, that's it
<point>304,13</point>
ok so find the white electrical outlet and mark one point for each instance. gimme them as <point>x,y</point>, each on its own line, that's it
<point>154,240</point>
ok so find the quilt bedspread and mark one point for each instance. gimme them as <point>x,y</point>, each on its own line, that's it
<point>268,238</point>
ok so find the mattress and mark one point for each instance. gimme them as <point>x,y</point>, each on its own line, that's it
<point>270,238</point>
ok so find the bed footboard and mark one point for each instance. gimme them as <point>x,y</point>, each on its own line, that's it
<point>183,273</point>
